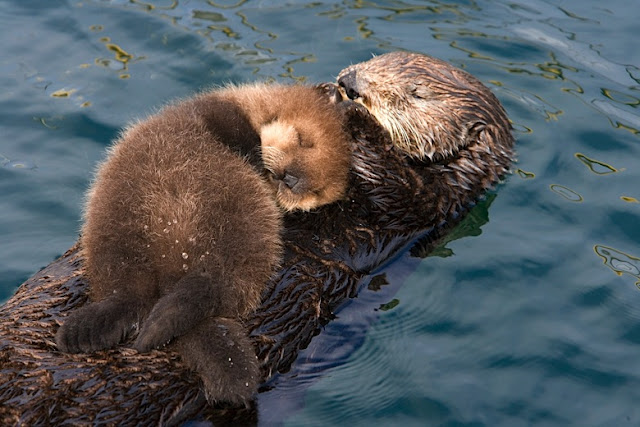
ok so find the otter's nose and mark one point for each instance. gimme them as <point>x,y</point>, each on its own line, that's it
<point>290,180</point>
<point>349,83</point>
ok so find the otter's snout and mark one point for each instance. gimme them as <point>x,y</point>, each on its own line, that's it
<point>290,180</point>
<point>285,178</point>
<point>349,83</point>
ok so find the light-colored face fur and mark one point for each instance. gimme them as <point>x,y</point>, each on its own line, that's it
<point>430,108</point>
<point>304,168</point>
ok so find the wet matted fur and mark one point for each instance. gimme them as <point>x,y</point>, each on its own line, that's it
<point>392,199</point>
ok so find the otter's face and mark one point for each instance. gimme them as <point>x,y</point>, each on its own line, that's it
<point>304,168</point>
<point>430,108</point>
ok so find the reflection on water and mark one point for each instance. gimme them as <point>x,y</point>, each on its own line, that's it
<point>566,192</point>
<point>618,117</point>
<point>524,174</point>
<point>597,167</point>
<point>620,262</point>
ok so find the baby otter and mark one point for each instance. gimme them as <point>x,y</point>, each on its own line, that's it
<point>392,199</point>
<point>182,230</point>
<point>430,108</point>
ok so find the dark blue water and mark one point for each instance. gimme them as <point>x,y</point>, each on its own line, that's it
<point>530,315</point>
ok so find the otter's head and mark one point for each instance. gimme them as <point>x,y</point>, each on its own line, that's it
<point>430,108</point>
<point>307,162</point>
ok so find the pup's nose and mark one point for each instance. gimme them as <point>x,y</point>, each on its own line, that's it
<point>290,180</point>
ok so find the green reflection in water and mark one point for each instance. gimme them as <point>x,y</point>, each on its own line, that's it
<point>150,6</point>
<point>620,262</point>
<point>390,305</point>
<point>209,16</point>
<point>225,6</point>
<point>62,93</point>
<point>619,125</point>
<point>567,193</point>
<point>596,166</point>
<point>227,31</point>
<point>629,199</point>
<point>525,175</point>
<point>48,122</point>
<point>454,44</point>
<point>365,32</point>
<point>620,97</point>
<point>618,117</point>
<point>552,70</point>
<point>120,54</point>
<point>470,226</point>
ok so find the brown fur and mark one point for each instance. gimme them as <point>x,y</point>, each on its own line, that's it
<point>391,200</point>
<point>430,109</point>
<point>304,146</point>
<point>181,232</point>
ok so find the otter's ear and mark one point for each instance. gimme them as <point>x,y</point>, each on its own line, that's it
<point>418,90</point>
<point>475,129</point>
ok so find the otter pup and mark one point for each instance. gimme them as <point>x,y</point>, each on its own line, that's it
<point>392,198</point>
<point>182,230</point>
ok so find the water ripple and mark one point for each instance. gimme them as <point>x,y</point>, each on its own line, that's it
<point>619,262</point>
<point>578,52</point>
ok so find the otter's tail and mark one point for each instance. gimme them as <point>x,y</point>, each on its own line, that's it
<point>219,350</point>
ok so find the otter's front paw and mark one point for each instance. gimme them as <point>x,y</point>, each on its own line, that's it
<point>95,327</point>
<point>332,91</point>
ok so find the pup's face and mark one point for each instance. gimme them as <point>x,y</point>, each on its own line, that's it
<point>306,166</point>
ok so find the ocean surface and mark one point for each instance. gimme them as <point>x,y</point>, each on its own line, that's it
<point>528,315</point>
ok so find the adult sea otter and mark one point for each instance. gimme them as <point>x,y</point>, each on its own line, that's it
<point>395,195</point>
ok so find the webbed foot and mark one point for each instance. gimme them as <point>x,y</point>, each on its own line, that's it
<point>97,326</point>
<point>220,351</point>
<point>178,312</point>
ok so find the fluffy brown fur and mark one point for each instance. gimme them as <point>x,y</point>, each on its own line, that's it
<point>304,146</point>
<point>181,233</point>
<point>329,256</point>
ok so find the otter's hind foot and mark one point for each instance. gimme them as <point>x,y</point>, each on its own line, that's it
<point>97,326</point>
<point>222,354</point>
<point>178,312</point>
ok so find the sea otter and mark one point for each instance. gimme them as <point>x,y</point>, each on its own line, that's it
<point>181,231</point>
<point>394,196</point>
<point>430,115</point>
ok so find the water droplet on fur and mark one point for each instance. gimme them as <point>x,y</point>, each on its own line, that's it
<point>166,230</point>
<point>185,267</point>
<point>229,359</point>
<point>164,256</point>
<point>185,255</point>
<point>175,221</point>
<point>246,384</point>
<point>177,241</point>
<point>192,239</point>
<point>146,227</point>
<point>168,222</point>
